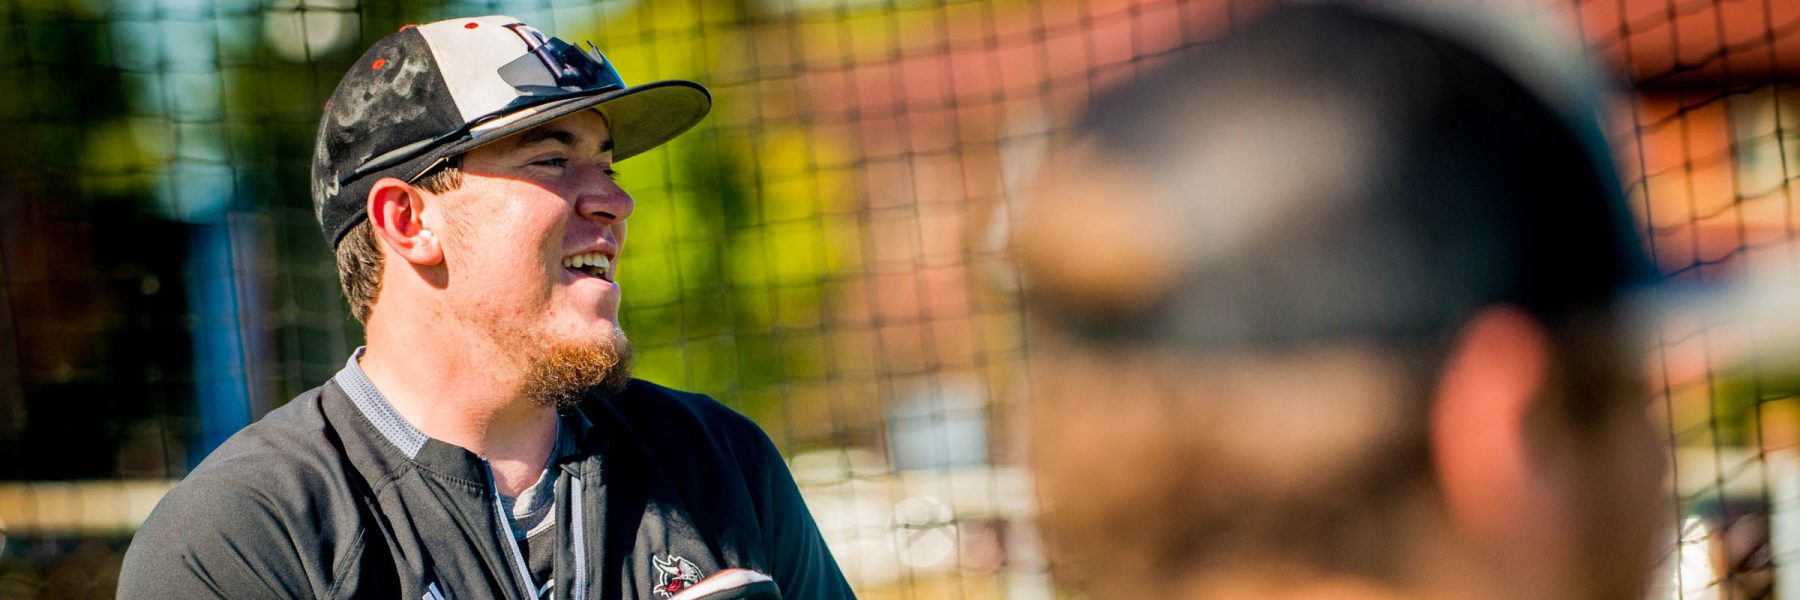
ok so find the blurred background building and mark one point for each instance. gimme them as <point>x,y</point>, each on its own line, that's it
<point>823,253</point>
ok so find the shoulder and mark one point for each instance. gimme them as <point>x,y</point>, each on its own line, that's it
<point>286,456</point>
<point>646,405</point>
<point>678,424</point>
<point>640,394</point>
<point>271,499</point>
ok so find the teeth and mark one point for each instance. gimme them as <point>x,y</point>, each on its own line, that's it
<point>590,259</point>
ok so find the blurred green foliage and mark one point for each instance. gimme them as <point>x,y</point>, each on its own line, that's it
<point>735,239</point>
<point>1725,410</point>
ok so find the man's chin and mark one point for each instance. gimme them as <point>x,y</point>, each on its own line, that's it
<point>563,373</point>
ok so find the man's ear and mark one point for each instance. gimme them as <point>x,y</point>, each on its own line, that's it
<point>395,209</point>
<point>1497,494</point>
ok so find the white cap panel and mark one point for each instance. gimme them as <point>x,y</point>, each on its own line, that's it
<point>467,56</point>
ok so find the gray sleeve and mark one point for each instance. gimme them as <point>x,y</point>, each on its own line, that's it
<point>212,538</point>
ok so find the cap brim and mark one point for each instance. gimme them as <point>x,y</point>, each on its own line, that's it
<point>1764,297</point>
<point>638,118</point>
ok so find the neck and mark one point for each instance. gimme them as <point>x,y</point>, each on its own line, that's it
<point>464,390</point>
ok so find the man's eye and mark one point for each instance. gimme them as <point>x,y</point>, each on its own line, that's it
<point>612,174</point>
<point>553,162</point>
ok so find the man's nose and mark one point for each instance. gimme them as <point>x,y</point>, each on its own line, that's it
<point>601,199</point>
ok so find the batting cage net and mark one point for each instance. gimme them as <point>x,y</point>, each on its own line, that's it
<point>823,253</point>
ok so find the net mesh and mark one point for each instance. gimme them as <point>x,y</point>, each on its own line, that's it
<point>822,253</point>
<point>1708,147</point>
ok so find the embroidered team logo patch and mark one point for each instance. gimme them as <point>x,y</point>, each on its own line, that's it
<point>674,574</point>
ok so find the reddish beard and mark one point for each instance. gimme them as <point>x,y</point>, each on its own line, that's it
<point>562,375</point>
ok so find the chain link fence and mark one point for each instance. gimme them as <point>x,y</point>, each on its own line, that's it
<point>823,253</point>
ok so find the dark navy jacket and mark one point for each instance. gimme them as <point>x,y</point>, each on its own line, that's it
<point>313,501</point>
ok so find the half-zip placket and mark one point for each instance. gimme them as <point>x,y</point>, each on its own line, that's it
<point>512,543</point>
<point>579,535</point>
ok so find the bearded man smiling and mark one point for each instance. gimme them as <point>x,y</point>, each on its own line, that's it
<point>488,441</point>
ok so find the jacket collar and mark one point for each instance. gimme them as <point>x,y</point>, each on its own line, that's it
<point>574,432</point>
<point>394,428</point>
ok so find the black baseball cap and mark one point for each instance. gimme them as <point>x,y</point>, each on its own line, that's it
<point>1340,172</point>
<point>430,92</point>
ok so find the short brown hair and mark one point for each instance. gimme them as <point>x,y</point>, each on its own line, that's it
<point>359,256</point>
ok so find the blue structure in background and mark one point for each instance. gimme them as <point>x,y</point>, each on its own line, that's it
<point>216,294</point>
<point>177,47</point>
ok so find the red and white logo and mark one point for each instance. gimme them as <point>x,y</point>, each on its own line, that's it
<point>674,574</point>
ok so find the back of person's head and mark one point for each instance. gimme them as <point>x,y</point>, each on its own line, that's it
<point>1337,299</point>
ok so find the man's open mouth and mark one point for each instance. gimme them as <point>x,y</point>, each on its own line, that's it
<point>592,264</point>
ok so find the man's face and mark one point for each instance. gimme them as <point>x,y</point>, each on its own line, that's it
<point>533,239</point>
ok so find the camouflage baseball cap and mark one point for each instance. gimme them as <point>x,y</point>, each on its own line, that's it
<point>430,92</point>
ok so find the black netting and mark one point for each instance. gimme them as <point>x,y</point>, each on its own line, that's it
<point>823,253</point>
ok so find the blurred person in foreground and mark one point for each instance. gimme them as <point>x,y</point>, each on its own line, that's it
<point>488,442</point>
<point>1337,308</point>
